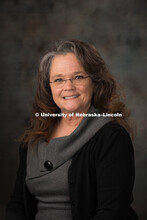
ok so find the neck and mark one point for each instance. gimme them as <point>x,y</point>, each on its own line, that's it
<point>72,121</point>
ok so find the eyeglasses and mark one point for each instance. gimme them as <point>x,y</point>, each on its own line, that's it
<point>77,80</point>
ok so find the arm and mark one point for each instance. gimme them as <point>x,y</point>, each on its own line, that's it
<point>115,177</point>
<point>15,210</point>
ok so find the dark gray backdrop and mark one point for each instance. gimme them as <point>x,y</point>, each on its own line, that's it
<point>116,27</point>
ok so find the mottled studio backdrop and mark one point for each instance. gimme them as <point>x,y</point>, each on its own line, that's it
<point>28,27</point>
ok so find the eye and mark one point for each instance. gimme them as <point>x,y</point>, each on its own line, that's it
<point>79,77</point>
<point>59,80</point>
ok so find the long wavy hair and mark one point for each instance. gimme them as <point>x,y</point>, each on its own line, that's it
<point>107,96</point>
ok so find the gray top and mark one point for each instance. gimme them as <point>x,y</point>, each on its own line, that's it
<point>51,187</point>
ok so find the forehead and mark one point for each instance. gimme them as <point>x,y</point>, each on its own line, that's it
<point>65,64</point>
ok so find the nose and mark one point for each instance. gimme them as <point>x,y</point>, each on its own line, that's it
<point>68,84</point>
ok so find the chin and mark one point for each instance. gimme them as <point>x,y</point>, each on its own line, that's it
<point>71,109</point>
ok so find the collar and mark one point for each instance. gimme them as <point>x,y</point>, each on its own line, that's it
<point>59,150</point>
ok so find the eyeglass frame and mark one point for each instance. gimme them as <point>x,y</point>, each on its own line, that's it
<point>71,79</point>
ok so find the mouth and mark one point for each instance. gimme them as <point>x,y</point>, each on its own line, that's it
<point>70,97</point>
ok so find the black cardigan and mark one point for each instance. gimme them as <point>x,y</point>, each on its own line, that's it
<point>101,179</point>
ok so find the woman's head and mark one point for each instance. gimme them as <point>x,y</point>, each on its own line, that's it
<point>71,87</point>
<point>92,64</point>
<point>71,77</point>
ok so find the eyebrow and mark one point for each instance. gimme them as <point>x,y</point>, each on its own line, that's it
<point>59,75</point>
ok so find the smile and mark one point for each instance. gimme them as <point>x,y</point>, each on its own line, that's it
<point>71,97</point>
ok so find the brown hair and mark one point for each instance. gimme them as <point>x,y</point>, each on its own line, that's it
<point>107,96</point>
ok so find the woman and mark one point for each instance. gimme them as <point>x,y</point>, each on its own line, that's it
<point>72,166</point>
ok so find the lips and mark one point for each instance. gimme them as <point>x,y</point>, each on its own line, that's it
<point>70,97</point>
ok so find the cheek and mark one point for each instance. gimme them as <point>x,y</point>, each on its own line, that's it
<point>54,92</point>
<point>87,92</point>
<point>89,89</point>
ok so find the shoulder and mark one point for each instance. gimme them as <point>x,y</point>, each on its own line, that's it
<point>23,148</point>
<point>112,129</point>
<point>23,152</point>
<point>112,137</point>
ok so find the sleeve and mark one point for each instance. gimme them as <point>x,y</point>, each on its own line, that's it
<point>15,209</point>
<point>115,177</point>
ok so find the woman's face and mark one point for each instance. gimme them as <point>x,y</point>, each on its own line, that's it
<point>72,96</point>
